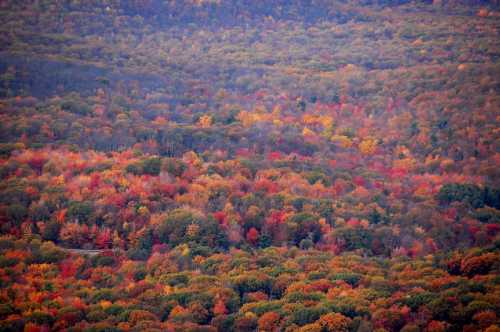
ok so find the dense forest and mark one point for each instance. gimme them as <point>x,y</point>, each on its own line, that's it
<point>250,165</point>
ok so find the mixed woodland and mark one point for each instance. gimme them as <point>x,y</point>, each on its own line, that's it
<point>217,165</point>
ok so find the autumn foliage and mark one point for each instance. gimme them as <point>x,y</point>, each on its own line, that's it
<point>249,166</point>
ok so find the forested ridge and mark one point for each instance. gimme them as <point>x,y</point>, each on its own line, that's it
<point>216,165</point>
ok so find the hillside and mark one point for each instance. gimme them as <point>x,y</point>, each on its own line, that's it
<point>216,165</point>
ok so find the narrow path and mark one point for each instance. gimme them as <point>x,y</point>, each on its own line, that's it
<point>89,252</point>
